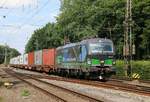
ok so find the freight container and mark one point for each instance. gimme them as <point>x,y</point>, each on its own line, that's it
<point>31,58</point>
<point>25,59</point>
<point>38,57</point>
<point>49,57</point>
<point>14,60</point>
<point>11,61</point>
<point>21,59</point>
<point>18,60</point>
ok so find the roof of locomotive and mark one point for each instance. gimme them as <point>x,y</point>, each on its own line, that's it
<point>68,45</point>
<point>85,42</point>
<point>96,40</point>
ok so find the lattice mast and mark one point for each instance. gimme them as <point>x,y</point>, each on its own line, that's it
<point>128,38</point>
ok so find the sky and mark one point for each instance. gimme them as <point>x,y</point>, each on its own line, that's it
<point>19,19</point>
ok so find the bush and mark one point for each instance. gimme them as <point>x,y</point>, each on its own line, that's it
<point>25,93</point>
<point>140,67</point>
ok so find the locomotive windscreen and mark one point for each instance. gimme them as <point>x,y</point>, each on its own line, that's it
<point>101,47</point>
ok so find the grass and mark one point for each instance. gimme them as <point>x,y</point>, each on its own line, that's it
<point>1,99</point>
<point>141,67</point>
<point>25,93</point>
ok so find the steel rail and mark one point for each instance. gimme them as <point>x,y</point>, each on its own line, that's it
<point>142,90</point>
<point>40,89</point>
<point>86,97</point>
<point>129,79</point>
<point>91,99</point>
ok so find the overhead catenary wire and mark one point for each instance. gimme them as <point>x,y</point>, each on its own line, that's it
<point>34,14</point>
<point>11,9</point>
<point>42,19</point>
<point>17,3</point>
<point>2,5</point>
<point>18,28</point>
<point>7,12</point>
<point>10,12</point>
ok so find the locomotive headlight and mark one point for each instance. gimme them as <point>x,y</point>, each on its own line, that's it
<point>102,62</point>
<point>88,61</point>
<point>114,62</point>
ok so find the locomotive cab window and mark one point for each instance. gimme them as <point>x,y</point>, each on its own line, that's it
<point>69,55</point>
<point>101,48</point>
<point>83,53</point>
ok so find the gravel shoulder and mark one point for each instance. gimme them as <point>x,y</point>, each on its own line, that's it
<point>15,94</point>
<point>102,93</point>
<point>20,92</point>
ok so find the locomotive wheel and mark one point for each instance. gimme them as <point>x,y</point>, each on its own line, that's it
<point>86,75</point>
<point>103,79</point>
<point>79,75</point>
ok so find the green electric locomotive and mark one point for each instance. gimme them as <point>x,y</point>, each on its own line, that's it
<point>91,58</point>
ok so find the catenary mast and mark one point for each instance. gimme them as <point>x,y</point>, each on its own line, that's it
<point>128,44</point>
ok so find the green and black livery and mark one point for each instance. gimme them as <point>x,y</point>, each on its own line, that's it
<point>88,58</point>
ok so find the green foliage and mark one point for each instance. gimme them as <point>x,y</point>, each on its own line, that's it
<point>120,68</point>
<point>25,93</point>
<point>80,19</point>
<point>11,52</point>
<point>46,37</point>
<point>140,67</point>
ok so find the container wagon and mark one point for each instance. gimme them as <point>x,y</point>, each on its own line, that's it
<point>49,60</point>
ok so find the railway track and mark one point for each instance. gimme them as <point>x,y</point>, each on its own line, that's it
<point>118,79</point>
<point>128,79</point>
<point>30,80</point>
<point>40,89</point>
<point>113,84</point>
<point>142,90</point>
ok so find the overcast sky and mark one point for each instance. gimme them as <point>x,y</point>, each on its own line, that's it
<point>19,18</point>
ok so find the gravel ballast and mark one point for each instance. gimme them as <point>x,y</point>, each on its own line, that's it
<point>20,91</point>
<point>101,93</point>
<point>109,94</point>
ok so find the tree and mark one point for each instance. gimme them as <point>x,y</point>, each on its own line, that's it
<point>46,37</point>
<point>80,19</point>
<point>11,52</point>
